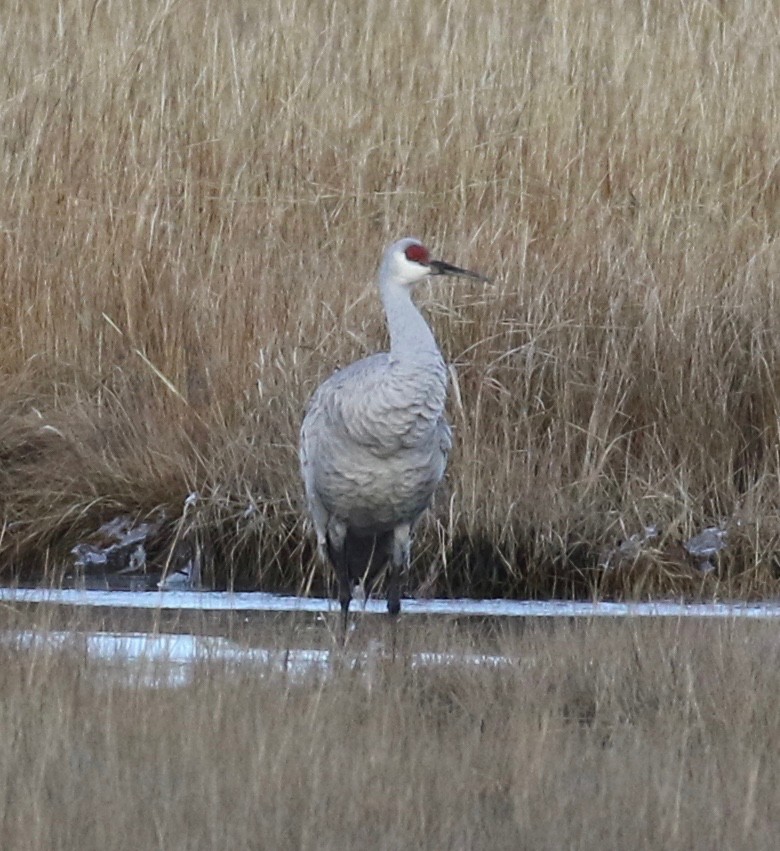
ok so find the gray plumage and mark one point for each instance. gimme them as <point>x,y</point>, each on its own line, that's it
<point>375,440</point>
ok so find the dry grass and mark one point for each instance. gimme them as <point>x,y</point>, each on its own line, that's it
<point>195,197</point>
<point>629,734</point>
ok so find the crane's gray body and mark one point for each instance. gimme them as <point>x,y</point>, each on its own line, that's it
<point>374,444</point>
<point>375,440</point>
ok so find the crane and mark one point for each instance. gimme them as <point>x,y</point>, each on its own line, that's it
<point>374,439</point>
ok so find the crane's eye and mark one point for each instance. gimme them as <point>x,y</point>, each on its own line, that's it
<point>418,254</point>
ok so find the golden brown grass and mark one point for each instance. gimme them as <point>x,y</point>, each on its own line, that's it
<point>631,734</point>
<point>195,198</point>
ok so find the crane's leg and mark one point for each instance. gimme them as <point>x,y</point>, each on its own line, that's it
<point>337,547</point>
<point>399,561</point>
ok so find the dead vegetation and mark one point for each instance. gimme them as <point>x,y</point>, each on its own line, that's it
<point>195,198</point>
<point>641,734</point>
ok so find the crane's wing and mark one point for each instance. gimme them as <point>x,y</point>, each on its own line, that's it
<point>379,404</point>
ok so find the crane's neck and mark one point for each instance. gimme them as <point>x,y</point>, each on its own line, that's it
<point>410,335</point>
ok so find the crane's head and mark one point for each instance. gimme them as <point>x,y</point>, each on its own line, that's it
<point>408,261</point>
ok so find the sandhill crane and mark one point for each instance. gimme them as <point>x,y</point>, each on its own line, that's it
<point>375,440</point>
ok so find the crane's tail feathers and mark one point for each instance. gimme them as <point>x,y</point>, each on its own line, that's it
<point>366,555</point>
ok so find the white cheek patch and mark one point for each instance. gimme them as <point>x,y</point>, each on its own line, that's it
<point>410,271</point>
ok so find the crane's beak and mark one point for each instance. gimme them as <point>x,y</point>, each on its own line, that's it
<point>439,267</point>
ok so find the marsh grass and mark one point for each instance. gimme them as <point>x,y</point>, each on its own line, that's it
<point>195,198</point>
<point>600,734</point>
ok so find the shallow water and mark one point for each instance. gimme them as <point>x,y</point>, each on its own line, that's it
<point>173,659</point>
<point>162,639</point>
<point>262,602</point>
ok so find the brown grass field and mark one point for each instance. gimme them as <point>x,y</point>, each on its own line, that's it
<point>602,735</point>
<point>195,196</point>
